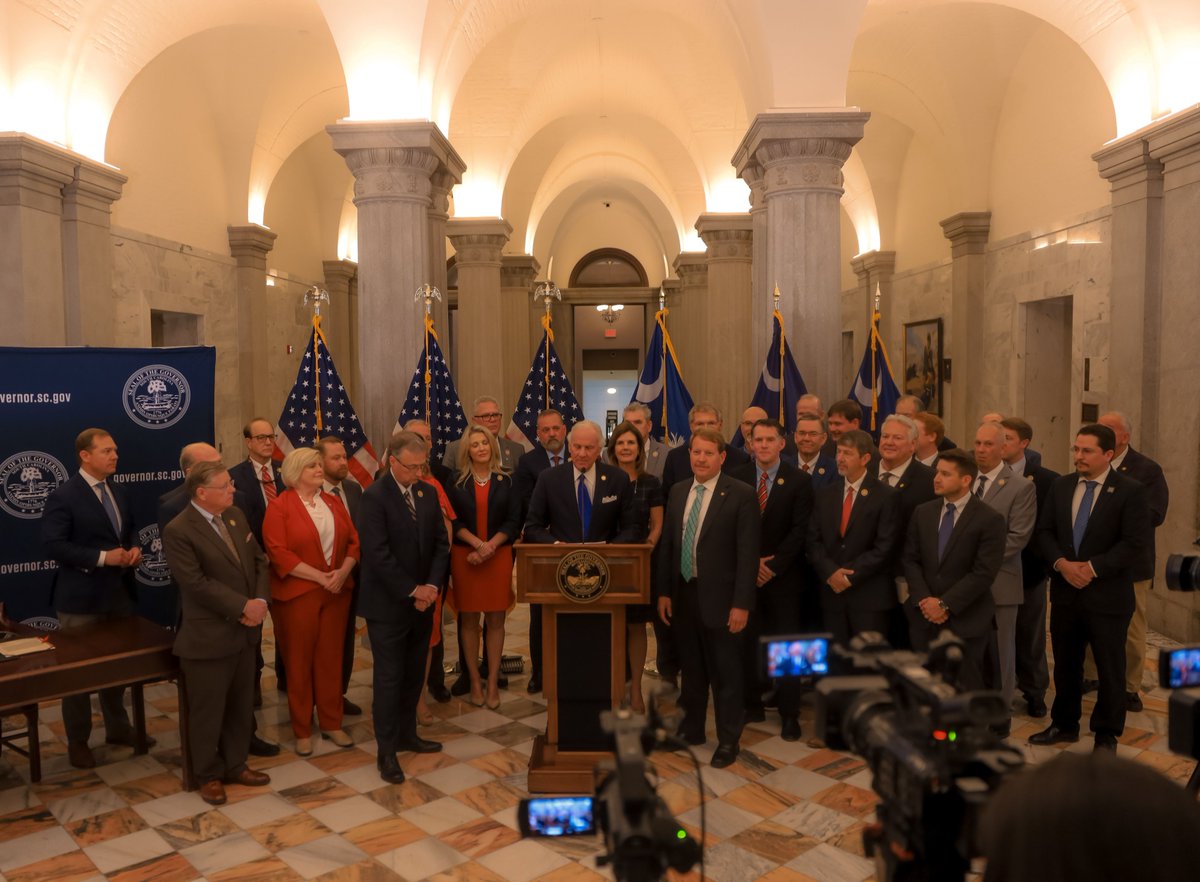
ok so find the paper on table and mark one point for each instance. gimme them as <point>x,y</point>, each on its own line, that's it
<point>24,646</point>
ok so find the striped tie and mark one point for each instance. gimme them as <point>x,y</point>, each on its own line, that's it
<point>687,555</point>
<point>268,482</point>
<point>762,491</point>
<point>412,508</point>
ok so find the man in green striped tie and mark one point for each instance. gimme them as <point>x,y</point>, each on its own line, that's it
<point>706,589</point>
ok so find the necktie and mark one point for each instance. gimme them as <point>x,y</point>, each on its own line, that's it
<point>687,554</point>
<point>982,483</point>
<point>847,504</point>
<point>762,491</point>
<point>945,529</point>
<point>557,459</point>
<point>585,505</point>
<point>408,500</point>
<point>337,491</point>
<point>223,531</point>
<point>1085,512</point>
<point>268,482</point>
<point>807,468</point>
<point>109,509</point>
<point>889,479</point>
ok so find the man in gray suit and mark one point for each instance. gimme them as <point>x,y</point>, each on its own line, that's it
<point>638,415</point>
<point>339,483</point>
<point>223,586</point>
<point>487,414</point>
<point>1016,499</point>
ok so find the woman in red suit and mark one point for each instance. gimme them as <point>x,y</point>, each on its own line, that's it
<point>489,515</point>
<point>312,547</point>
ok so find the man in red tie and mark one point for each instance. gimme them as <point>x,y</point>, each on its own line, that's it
<point>852,542</point>
<point>259,482</point>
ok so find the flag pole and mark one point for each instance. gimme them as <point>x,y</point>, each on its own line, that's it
<point>874,347</point>
<point>547,291</point>
<point>428,294</point>
<point>314,297</point>
<point>782,393</point>
<point>662,322</point>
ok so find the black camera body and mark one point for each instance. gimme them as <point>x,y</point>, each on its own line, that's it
<point>1179,671</point>
<point>642,839</point>
<point>930,748</point>
<point>1183,571</point>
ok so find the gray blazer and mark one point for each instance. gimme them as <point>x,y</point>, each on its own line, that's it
<point>1016,499</point>
<point>510,452</point>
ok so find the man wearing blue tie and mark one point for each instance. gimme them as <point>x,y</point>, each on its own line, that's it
<point>88,529</point>
<point>1094,530</point>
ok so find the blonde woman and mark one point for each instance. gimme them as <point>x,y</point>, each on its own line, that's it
<point>488,509</point>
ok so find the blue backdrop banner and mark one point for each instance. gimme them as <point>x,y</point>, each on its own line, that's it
<point>152,401</point>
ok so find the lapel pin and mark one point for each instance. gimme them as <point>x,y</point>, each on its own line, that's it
<point>1002,481</point>
<point>421,493</point>
<point>1109,489</point>
<point>863,492</point>
<point>900,486</point>
<point>821,470</point>
<point>604,477</point>
<point>779,481</point>
<point>232,522</point>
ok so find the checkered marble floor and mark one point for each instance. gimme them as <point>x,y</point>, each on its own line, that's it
<point>784,811</point>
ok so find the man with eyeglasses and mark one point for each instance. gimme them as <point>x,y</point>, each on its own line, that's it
<point>259,482</point>
<point>487,414</point>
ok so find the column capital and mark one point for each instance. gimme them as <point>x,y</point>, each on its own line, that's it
<point>339,271</point>
<point>967,231</point>
<point>396,161</point>
<point>755,177</point>
<point>1175,140</point>
<point>518,270</point>
<point>35,172</point>
<point>692,269</point>
<point>879,263</point>
<point>800,150</point>
<point>478,240</point>
<point>1127,162</point>
<point>250,244</point>
<point>728,235</point>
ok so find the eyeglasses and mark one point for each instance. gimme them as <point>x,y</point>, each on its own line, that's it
<point>409,468</point>
<point>488,416</point>
<point>270,437</point>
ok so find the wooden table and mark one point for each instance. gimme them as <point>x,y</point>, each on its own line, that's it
<point>119,652</point>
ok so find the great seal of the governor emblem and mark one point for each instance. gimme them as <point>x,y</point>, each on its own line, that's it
<point>153,569</point>
<point>582,576</point>
<point>156,396</point>
<point>26,480</point>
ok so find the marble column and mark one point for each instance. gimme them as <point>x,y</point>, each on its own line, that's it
<point>968,235</point>
<point>762,288</point>
<point>1175,142</point>
<point>517,275</point>
<point>688,323</point>
<point>801,156</point>
<point>250,244</point>
<point>55,246</point>
<point>441,183</point>
<point>875,268</point>
<point>341,329</point>
<point>1136,179</point>
<point>730,316</point>
<point>393,164</point>
<point>87,253</point>
<point>478,242</point>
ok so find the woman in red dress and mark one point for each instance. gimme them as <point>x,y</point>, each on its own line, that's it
<point>489,517</point>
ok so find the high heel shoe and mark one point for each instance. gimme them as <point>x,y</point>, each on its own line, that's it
<point>478,702</point>
<point>303,747</point>
<point>492,705</point>
<point>338,737</point>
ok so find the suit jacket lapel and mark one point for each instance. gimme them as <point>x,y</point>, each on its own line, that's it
<point>714,504</point>
<point>1104,491</point>
<point>964,518</point>
<point>868,484</point>
<point>98,508</point>
<point>205,528</point>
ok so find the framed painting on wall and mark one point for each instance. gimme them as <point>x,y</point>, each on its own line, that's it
<point>923,363</point>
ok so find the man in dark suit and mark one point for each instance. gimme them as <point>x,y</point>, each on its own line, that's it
<point>339,484</point>
<point>852,539</point>
<point>1033,674</point>
<point>844,416</point>
<point>224,588</point>
<point>550,452</point>
<point>405,556</point>
<point>785,499</point>
<point>708,566</point>
<point>260,481</point>
<point>953,552</point>
<point>910,406</point>
<point>679,467</point>
<point>87,528</point>
<point>486,413</point>
<point>811,437</point>
<point>1094,531</point>
<point>931,432</point>
<point>1140,467</point>
<point>170,505</point>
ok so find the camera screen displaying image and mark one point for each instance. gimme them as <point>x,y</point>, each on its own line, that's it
<point>1179,668</point>
<point>557,816</point>
<point>800,655</point>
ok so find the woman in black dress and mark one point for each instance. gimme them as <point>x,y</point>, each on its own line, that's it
<point>627,450</point>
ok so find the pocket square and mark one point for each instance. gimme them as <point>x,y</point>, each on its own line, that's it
<point>612,498</point>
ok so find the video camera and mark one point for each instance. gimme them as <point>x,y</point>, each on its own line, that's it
<point>1179,671</point>
<point>1183,571</point>
<point>642,839</point>
<point>930,748</point>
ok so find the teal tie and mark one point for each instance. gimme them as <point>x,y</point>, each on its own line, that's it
<point>687,556</point>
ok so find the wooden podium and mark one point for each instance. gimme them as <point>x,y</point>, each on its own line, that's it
<point>584,590</point>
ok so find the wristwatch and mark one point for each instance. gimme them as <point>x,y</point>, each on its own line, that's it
<point>942,604</point>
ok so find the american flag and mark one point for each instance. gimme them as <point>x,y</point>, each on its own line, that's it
<point>319,406</point>
<point>447,421</point>
<point>542,390</point>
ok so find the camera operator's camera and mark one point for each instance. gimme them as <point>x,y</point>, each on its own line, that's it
<point>1179,671</point>
<point>1183,571</point>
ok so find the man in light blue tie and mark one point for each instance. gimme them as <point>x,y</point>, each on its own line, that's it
<point>1094,530</point>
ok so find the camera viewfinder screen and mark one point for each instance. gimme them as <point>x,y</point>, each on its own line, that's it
<point>804,657</point>
<point>561,816</point>
<point>1185,668</point>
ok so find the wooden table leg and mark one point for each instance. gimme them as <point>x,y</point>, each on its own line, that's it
<point>138,700</point>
